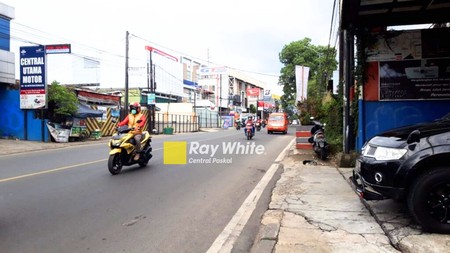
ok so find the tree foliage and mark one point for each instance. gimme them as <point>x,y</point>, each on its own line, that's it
<point>320,102</point>
<point>320,59</point>
<point>252,108</point>
<point>62,102</point>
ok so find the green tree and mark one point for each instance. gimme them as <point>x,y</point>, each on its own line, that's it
<point>62,102</point>
<point>252,108</point>
<point>320,59</point>
<point>320,103</point>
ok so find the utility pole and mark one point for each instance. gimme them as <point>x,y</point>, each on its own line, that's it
<point>126,72</point>
<point>152,91</point>
<point>220,95</point>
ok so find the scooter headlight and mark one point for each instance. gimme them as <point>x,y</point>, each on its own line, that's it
<point>115,143</point>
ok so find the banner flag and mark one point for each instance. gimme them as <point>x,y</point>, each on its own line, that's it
<point>301,80</point>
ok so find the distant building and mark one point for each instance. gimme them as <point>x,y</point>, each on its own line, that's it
<point>7,58</point>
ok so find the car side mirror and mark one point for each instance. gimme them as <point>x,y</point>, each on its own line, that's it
<point>413,137</point>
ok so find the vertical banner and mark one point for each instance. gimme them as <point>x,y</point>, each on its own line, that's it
<point>32,78</point>
<point>301,80</point>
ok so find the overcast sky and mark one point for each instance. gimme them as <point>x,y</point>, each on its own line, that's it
<point>242,34</point>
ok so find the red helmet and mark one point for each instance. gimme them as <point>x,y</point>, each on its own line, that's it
<point>136,106</point>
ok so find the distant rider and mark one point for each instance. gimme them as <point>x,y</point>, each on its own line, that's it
<point>238,122</point>
<point>250,121</point>
<point>131,119</point>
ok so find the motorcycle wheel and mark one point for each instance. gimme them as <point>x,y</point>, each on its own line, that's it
<point>248,136</point>
<point>114,164</point>
<point>323,154</point>
<point>143,162</point>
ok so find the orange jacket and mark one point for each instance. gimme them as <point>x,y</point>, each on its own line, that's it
<point>131,120</point>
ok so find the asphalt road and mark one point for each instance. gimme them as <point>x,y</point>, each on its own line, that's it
<point>65,200</point>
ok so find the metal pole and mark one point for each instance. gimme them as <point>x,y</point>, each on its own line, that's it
<point>152,91</point>
<point>348,83</point>
<point>126,73</point>
<point>219,116</point>
<point>148,123</point>
<point>195,99</point>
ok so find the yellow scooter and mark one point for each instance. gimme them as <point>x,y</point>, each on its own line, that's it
<point>123,150</point>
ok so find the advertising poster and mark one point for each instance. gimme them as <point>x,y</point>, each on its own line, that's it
<point>413,65</point>
<point>227,121</point>
<point>415,79</point>
<point>395,45</point>
<point>59,134</point>
<point>32,78</point>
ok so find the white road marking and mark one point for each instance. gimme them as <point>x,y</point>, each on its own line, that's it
<point>225,241</point>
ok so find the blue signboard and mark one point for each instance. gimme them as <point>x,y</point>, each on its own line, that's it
<point>32,77</point>
<point>151,99</point>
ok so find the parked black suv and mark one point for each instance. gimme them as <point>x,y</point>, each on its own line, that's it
<point>410,163</point>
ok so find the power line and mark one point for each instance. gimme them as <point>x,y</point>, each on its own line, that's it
<point>24,31</point>
<point>200,59</point>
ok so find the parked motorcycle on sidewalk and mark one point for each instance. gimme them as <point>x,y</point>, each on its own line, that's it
<point>123,150</point>
<point>318,140</point>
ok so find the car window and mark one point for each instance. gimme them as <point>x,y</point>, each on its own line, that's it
<point>276,118</point>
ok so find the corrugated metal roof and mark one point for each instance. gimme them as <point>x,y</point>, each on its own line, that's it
<point>381,13</point>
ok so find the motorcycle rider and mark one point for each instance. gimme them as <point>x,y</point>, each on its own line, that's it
<point>250,121</point>
<point>238,123</point>
<point>264,123</point>
<point>259,121</point>
<point>132,119</point>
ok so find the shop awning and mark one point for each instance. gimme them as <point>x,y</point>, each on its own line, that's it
<point>85,111</point>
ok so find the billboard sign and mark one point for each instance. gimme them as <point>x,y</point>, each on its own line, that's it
<point>204,71</point>
<point>33,78</point>
<point>252,92</point>
<point>57,49</point>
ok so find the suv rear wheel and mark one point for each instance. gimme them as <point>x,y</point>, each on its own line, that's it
<point>429,200</point>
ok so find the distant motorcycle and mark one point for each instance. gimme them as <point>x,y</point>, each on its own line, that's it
<point>238,125</point>
<point>249,131</point>
<point>122,145</point>
<point>318,141</point>
<point>258,126</point>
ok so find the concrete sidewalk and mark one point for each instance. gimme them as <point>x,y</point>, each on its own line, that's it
<point>10,146</point>
<point>314,209</point>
